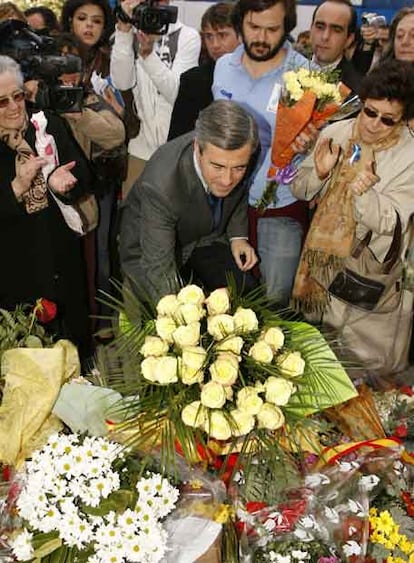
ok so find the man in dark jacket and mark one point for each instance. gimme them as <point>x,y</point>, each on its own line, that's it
<point>219,38</point>
<point>332,32</point>
<point>186,216</point>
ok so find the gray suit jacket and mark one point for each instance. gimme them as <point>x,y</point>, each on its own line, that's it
<point>166,215</point>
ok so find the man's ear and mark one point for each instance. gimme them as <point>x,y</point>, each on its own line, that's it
<point>350,40</point>
<point>197,149</point>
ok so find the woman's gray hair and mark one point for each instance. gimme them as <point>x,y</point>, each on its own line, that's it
<point>226,125</point>
<point>7,64</point>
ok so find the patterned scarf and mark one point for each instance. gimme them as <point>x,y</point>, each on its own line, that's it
<point>331,236</point>
<point>35,198</point>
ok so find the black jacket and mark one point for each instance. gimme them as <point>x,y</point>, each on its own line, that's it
<point>349,75</point>
<point>193,96</point>
<point>40,255</point>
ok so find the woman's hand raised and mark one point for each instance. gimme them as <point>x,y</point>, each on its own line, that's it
<point>325,157</point>
<point>61,180</point>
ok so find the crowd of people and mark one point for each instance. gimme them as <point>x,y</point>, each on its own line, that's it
<point>165,156</point>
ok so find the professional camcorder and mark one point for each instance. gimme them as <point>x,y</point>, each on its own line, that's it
<point>373,19</point>
<point>149,17</point>
<point>39,60</point>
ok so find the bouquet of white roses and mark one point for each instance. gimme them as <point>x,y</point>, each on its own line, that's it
<point>223,368</point>
<point>78,501</point>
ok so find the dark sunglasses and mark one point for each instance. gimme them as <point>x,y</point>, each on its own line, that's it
<point>372,113</point>
<point>16,97</point>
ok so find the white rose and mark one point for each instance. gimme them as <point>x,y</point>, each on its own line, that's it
<point>278,390</point>
<point>274,337</point>
<point>231,344</point>
<point>245,320</point>
<point>148,368</point>
<point>248,400</point>
<point>244,422</point>
<point>191,294</point>
<point>154,346</point>
<point>187,313</point>
<point>167,305</point>
<point>220,326</point>
<point>217,426</point>
<point>261,352</point>
<point>213,395</point>
<point>167,370</point>
<point>270,417</point>
<point>225,369</point>
<point>194,415</point>
<point>218,302</point>
<point>165,326</point>
<point>291,364</point>
<point>190,375</point>
<point>187,335</point>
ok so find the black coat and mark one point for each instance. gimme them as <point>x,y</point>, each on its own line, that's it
<point>349,75</point>
<point>193,96</point>
<point>40,255</point>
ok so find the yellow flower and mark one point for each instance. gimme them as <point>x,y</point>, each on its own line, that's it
<point>154,346</point>
<point>220,326</point>
<point>194,415</point>
<point>218,302</point>
<point>278,390</point>
<point>190,375</point>
<point>270,417</point>
<point>191,294</point>
<point>187,313</point>
<point>193,359</point>
<point>217,426</point>
<point>230,344</point>
<point>165,326</point>
<point>244,422</point>
<point>187,335</point>
<point>223,513</point>
<point>291,364</point>
<point>261,352</point>
<point>225,369</point>
<point>167,305</point>
<point>213,395</point>
<point>274,337</point>
<point>245,320</point>
<point>249,401</point>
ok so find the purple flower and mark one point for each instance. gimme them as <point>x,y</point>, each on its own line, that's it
<point>331,559</point>
<point>286,175</point>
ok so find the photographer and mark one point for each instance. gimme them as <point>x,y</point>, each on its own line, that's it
<point>154,76</point>
<point>41,255</point>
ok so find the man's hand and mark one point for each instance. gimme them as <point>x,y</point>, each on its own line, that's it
<point>325,157</point>
<point>127,6</point>
<point>243,254</point>
<point>368,34</point>
<point>364,180</point>
<point>61,180</point>
<point>305,140</point>
<point>146,43</point>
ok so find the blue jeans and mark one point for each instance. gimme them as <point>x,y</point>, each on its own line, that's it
<point>279,241</point>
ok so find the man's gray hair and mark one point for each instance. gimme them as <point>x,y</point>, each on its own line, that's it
<point>226,125</point>
<point>7,64</point>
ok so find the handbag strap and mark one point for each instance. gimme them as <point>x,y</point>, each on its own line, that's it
<point>393,251</point>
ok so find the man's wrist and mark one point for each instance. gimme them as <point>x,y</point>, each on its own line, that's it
<point>123,27</point>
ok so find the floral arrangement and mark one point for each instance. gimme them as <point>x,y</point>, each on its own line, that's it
<point>396,411</point>
<point>308,96</point>
<point>221,368</point>
<point>80,501</point>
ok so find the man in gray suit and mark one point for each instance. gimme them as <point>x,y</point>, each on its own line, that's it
<point>186,216</point>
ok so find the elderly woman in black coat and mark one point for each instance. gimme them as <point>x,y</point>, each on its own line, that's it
<point>40,255</point>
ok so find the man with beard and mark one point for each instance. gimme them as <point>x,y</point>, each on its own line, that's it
<point>253,75</point>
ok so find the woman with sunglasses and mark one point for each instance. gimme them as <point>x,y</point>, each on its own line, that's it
<point>40,255</point>
<point>361,172</point>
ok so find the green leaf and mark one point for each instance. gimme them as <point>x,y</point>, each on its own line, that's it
<point>118,502</point>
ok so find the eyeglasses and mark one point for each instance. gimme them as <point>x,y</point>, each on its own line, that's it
<point>16,97</point>
<point>372,114</point>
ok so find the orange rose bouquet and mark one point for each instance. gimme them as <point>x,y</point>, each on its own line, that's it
<point>308,97</point>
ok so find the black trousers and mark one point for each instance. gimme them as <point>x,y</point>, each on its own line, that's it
<point>211,267</point>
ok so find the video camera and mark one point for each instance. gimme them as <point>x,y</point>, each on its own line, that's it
<point>373,19</point>
<point>149,17</point>
<point>39,60</point>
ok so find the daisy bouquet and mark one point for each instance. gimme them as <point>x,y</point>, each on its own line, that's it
<point>80,501</point>
<point>308,96</point>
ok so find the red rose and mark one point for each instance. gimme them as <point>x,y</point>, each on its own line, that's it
<point>401,431</point>
<point>407,390</point>
<point>45,310</point>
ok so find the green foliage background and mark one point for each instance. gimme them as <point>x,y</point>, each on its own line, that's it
<point>55,5</point>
